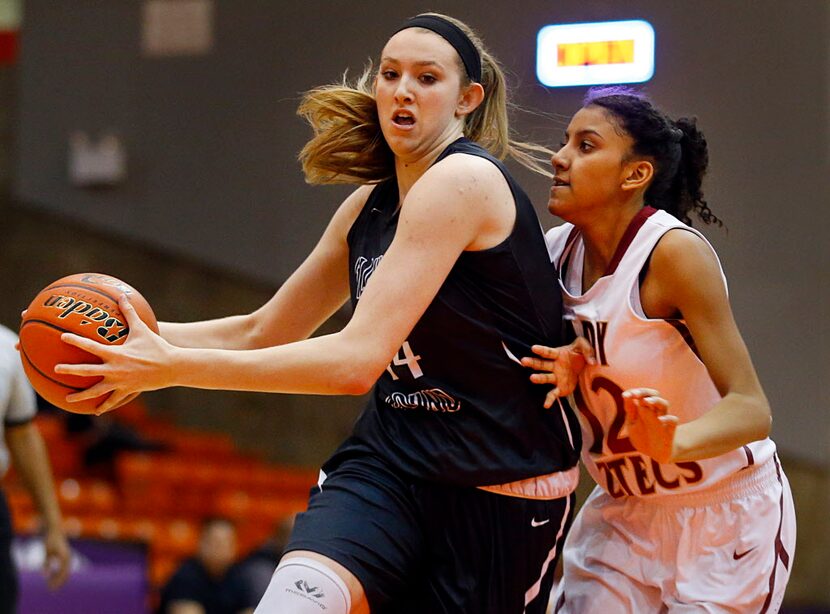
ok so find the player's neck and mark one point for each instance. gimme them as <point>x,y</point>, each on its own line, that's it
<point>601,238</point>
<point>408,169</point>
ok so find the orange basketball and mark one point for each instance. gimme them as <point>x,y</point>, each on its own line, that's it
<point>85,304</point>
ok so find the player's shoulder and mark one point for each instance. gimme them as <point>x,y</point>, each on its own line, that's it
<point>465,172</point>
<point>461,190</point>
<point>682,244</point>
<point>462,161</point>
<point>683,262</point>
<point>461,184</point>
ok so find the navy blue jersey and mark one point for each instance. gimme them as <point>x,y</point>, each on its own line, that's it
<point>454,405</point>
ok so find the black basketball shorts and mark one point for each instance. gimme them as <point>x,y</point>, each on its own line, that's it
<point>428,548</point>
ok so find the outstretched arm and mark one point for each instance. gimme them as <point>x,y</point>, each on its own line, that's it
<point>684,277</point>
<point>446,211</point>
<point>307,299</point>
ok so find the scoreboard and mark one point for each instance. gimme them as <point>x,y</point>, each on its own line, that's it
<point>595,53</point>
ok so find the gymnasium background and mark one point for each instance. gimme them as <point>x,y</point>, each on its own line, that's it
<point>212,213</point>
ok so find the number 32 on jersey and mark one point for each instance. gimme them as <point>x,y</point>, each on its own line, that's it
<point>628,472</point>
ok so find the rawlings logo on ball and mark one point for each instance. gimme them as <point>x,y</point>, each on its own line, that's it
<point>103,280</point>
<point>111,329</point>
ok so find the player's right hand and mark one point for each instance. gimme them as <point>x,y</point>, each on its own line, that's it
<point>561,367</point>
<point>141,363</point>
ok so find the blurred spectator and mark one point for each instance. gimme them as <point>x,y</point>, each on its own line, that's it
<point>24,447</point>
<point>103,437</point>
<point>203,584</point>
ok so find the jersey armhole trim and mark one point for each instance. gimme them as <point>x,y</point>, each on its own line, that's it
<point>633,299</point>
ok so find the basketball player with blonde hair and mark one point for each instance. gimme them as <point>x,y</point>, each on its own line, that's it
<point>455,490</point>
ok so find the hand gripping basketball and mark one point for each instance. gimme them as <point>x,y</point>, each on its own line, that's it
<point>85,304</point>
<point>125,370</point>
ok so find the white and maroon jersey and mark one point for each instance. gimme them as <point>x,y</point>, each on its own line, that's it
<point>634,351</point>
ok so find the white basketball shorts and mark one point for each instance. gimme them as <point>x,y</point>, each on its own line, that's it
<point>728,548</point>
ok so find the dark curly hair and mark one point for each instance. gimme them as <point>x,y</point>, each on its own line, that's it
<point>677,149</point>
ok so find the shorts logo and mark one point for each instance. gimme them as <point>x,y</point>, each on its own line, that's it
<point>538,523</point>
<point>314,591</point>
<point>738,557</point>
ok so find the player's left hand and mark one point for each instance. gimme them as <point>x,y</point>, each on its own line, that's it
<point>650,427</point>
<point>562,366</point>
<point>141,363</point>
<point>56,566</point>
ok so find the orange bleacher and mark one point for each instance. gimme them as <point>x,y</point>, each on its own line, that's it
<point>160,498</point>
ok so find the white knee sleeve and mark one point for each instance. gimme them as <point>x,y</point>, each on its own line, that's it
<point>305,586</point>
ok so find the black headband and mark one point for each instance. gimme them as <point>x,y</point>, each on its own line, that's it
<point>455,36</point>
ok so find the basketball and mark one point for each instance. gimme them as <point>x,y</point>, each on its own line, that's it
<point>85,304</point>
